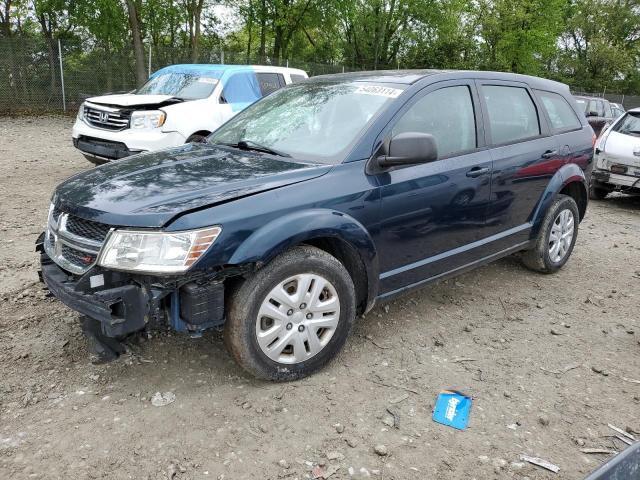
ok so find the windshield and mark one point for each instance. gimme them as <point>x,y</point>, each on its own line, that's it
<point>186,86</point>
<point>629,124</point>
<point>309,121</point>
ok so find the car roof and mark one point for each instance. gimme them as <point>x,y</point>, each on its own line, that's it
<point>221,68</point>
<point>409,77</point>
<point>584,97</point>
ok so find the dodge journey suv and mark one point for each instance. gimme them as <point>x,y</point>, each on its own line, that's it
<point>316,202</point>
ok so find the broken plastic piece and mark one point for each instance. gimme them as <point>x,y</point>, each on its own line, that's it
<point>452,409</point>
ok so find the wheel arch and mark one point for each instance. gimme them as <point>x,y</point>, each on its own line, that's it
<point>568,180</point>
<point>334,232</point>
<point>204,133</point>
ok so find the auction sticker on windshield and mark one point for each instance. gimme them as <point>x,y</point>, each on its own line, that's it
<point>380,91</point>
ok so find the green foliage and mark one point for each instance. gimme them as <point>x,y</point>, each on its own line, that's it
<point>591,44</point>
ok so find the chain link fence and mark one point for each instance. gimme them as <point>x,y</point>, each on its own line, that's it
<point>40,75</point>
<point>627,101</point>
<point>54,76</point>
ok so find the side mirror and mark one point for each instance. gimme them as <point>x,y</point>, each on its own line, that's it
<point>409,148</point>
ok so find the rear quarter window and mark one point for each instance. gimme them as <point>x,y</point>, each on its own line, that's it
<point>269,82</point>
<point>297,78</point>
<point>512,113</point>
<point>561,115</point>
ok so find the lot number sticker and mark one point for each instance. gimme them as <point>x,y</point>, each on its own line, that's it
<point>380,91</point>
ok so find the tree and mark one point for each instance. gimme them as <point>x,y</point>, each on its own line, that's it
<point>193,9</point>
<point>134,7</point>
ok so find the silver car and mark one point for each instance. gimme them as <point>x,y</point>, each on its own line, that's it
<point>617,157</point>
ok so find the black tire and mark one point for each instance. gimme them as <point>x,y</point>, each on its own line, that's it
<point>538,258</point>
<point>196,138</point>
<point>597,193</point>
<point>96,160</point>
<point>243,305</point>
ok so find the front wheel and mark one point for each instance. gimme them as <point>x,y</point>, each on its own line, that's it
<point>291,317</point>
<point>557,237</point>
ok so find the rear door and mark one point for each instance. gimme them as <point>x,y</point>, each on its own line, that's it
<point>574,140</point>
<point>524,155</point>
<point>431,214</point>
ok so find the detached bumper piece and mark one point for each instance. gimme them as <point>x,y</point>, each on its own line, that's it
<point>102,149</point>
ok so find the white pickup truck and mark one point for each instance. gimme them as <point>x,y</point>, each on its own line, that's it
<point>177,105</point>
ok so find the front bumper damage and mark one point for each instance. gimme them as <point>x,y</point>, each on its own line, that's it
<point>123,303</point>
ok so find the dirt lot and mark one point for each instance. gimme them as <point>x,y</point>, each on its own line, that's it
<point>549,361</point>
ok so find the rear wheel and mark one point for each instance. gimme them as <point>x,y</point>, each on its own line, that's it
<point>291,317</point>
<point>557,237</point>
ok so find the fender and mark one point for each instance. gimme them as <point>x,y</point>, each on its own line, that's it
<point>565,175</point>
<point>277,236</point>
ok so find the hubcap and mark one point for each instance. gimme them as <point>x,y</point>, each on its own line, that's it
<point>307,302</point>
<point>561,235</point>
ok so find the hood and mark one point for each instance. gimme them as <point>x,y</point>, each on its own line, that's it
<point>131,100</point>
<point>150,189</point>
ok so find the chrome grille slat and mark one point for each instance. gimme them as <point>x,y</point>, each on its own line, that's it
<point>73,242</point>
<point>111,119</point>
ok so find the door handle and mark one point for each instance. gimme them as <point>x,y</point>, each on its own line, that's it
<point>549,154</point>
<point>478,171</point>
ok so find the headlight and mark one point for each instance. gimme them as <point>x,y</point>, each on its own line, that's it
<point>156,252</point>
<point>602,141</point>
<point>148,119</point>
<point>81,112</point>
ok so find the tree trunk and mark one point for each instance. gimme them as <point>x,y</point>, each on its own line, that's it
<point>136,37</point>
<point>277,43</point>
<point>263,32</point>
<point>249,32</point>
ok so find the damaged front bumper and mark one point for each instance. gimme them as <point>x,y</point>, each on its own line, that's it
<point>124,303</point>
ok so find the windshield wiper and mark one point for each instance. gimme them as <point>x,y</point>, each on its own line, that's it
<point>245,144</point>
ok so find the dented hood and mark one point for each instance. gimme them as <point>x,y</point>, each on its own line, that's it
<point>150,189</point>
<point>131,100</point>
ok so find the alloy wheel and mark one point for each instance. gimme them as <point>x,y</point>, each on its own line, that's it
<point>561,235</point>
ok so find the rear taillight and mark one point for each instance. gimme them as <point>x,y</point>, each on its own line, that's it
<point>593,140</point>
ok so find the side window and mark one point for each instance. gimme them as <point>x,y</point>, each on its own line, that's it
<point>600,109</point>
<point>447,114</point>
<point>297,78</point>
<point>560,112</point>
<point>269,82</point>
<point>241,87</point>
<point>512,113</point>
<point>607,109</point>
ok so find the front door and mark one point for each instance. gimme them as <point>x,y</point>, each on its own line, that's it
<point>431,213</point>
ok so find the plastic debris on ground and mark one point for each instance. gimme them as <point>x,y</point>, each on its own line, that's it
<point>452,409</point>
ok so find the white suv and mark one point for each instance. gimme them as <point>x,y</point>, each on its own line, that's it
<point>617,158</point>
<point>178,104</point>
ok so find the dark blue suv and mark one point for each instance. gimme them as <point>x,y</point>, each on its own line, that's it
<point>315,203</point>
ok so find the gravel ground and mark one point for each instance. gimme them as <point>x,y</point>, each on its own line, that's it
<point>549,361</point>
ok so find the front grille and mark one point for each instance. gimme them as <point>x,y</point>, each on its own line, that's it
<point>82,260</point>
<point>109,120</point>
<point>73,242</point>
<point>87,228</point>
